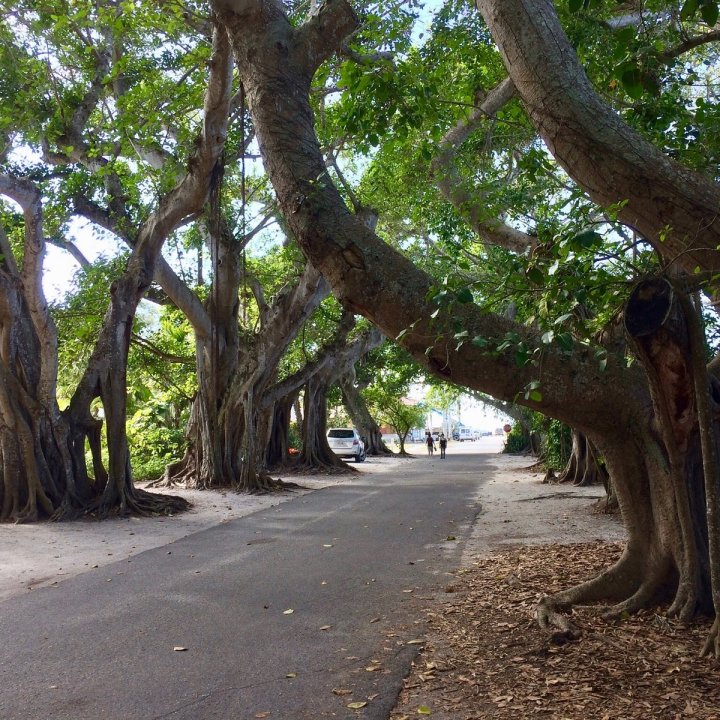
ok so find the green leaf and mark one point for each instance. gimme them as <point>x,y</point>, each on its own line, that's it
<point>688,9</point>
<point>424,710</point>
<point>585,240</point>
<point>535,276</point>
<point>709,12</point>
<point>575,5</point>
<point>632,82</point>
<point>565,341</point>
<point>625,35</point>
<point>465,295</point>
<point>535,396</point>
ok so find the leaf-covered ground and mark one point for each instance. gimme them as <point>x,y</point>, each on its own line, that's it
<point>485,656</point>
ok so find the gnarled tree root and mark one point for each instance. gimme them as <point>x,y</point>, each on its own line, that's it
<point>616,583</point>
<point>712,644</point>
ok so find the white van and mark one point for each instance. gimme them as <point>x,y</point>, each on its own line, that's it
<point>466,434</point>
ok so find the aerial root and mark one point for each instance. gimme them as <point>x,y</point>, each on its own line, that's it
<point>712,644</point>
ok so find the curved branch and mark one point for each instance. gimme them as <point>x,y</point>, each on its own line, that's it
<point>675,208</point>
<point>451,185</point>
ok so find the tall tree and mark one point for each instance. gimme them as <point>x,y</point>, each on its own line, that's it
<point>608,401</point>
<point>52,479</point>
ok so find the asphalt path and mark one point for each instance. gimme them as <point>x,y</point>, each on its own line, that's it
<point>294,612</point>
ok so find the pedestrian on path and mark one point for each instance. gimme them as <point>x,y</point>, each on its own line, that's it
<point>430,443</point>
<point>442,441</point>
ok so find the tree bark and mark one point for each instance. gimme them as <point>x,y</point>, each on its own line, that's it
<point>361,417</point>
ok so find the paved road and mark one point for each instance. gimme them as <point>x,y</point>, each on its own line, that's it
<point>359,558</point>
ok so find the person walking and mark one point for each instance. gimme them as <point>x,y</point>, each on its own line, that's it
<point>442,441</point>
<point>430,443</point>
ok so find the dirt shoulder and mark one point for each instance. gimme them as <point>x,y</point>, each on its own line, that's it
<point>484,654</point>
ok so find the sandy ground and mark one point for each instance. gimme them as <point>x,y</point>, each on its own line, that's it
<point>516,509</point>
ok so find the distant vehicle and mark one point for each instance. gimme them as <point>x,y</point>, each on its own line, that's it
<point>499,431</point>
<point>487,433</point>
<point>455,435</point>
<point>346,443</point>
<point>464,434</point>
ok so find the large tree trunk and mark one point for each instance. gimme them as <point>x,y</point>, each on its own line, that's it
<point>361,417</point>
<point>38,468</point>
<point>232,417</point>
<point>583,468</point>
<point>316,453</point>
<point>663,504</point>
<point>51,478</point>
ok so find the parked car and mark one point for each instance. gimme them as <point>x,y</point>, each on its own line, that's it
<point>346,443</point>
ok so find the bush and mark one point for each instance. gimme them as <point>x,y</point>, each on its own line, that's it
<point>558,444</point>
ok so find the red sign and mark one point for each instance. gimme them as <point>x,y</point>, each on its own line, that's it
<point>507,428</point>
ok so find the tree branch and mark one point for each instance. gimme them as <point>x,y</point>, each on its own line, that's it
<point>451,186</point>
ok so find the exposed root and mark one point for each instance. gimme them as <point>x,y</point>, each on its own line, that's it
<point>639,600</point>
<point>550,616</point>
<point>685,604</point>
<point>139,503</point>
<point>612,584</point>
<point>267,484</point>
<point>712,644</point>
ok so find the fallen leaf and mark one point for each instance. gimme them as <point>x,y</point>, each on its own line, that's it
<point>415,642</point>
<point>327,545</point>
<point>290,675</point>
<point>289,611</point>
<point>357,705</point>
<point>424,710</point>
<point>341,691</point>
<point>374,620</point>
<point>265,714</point>
<point>451,537</point>
<point>179,648</point>
<point>326,627</point>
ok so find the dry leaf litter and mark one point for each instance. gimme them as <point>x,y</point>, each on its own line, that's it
<point>486,657</point>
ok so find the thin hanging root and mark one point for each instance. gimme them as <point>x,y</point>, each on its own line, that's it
<point>712,644</point>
